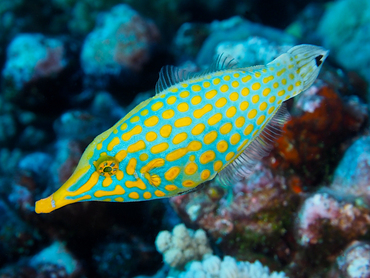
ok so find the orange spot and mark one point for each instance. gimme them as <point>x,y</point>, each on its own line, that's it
<point>159,193</point>
<point>170,187</point>
<point>152,121</point>
<point>200,112</point>
<point>138,146</point>
<point>147,195</point>
<point>134,195</point>
<point>186,121</point>
<point>205,174</point>
<point>161,147</point>
<point>207,156</point>
<point>191,168</point>
<point>136,130</point>
<point>295,184</point>
<point>172,173</point>
<point>118,190</point>
<point>188,183</point>
<point>138,184</point>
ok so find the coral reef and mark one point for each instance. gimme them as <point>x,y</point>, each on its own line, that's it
<point>8,128</point>
<point>352,176</point>
<point>53,261</point>
<point>252,215</point>
<point>307,22</point>
<point>31,57</point>
<point>70,69</point>
<point>56,254</point>
<point>253,51</point>
<point>189,39</point>
<point>355,261</point>
<point>212,266</point>
<point>121,40</point>
<point>319,124</point>
<point>17,236</point>
<point>9,160</point>
<point>322,216</point>
<point>343,29</point>
<point>122,259</point>
<point>185,247</point>
<point>237,29</point>
<point>34,64</point>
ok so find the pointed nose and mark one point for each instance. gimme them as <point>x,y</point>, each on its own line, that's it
<point>45,205</point>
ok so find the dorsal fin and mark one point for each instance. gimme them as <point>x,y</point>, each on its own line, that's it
<point>171,75</point>
<point>261,146</point>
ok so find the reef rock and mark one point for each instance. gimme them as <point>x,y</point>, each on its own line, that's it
<point>251,215</point>
<point>324,220</point>
<point>121,40</point>
<point>355,260</point>
<point>352,176</point>
<point>31,57</point>
<point>344,29</point>
<point>321,121</point>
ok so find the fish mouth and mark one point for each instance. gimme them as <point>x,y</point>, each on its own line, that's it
<point>64,196</point>
<point>45,205</point>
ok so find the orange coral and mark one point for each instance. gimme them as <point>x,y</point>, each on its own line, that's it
<point>310,140</point>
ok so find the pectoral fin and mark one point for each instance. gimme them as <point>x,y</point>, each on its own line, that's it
<point>153,178</point>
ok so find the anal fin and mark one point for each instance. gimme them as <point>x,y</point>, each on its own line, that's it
<point>243,165</point>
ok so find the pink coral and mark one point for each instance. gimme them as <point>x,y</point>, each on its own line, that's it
<point>321,212</point>
<point>53,62</point>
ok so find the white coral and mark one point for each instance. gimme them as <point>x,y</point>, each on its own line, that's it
<point>213,267</point>
<point>163,241</point>
<point>229,268</point>
<point>190,249</point>
<point>211,264</point>
<point>182,246</point>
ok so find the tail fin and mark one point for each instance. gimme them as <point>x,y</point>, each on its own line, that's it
<point>309,59</point>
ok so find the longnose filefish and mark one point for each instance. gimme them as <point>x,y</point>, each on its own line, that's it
<point>218,122</point>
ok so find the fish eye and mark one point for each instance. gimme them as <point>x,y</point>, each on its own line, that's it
<point>318,60</point>
<point>107,169</point>
<point>106,166</point>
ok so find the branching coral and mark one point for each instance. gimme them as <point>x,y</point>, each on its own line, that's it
<point>212,266</point>
<point>182,246</point>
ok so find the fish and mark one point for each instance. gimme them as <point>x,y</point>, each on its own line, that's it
<point>219,122</point>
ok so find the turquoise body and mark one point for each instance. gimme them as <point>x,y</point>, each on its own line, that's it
<point>186,134</point>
